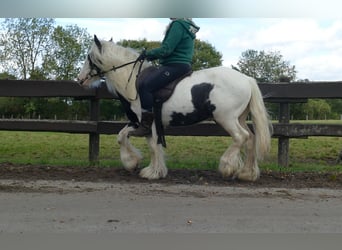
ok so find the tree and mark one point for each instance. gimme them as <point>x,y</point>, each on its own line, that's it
<point>7,76</point>
<point>317,109</point>
<point>11,106</point>
<point>336,108</point>
<point>205,56</point>
<point>24,43</point>
<point>33,45</point>
<point>68,50</point>
<point>266,67</point>
<point>6,103</point>
<point>139,45</point>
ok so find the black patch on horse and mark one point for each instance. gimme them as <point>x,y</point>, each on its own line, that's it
<point>203,109</point>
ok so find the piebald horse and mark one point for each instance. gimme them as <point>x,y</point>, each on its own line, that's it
<point>220,93</point>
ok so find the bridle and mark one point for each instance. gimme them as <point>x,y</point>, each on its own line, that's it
<point>101,73</point>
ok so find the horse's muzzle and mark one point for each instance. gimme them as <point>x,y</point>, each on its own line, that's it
<point>80,81</point>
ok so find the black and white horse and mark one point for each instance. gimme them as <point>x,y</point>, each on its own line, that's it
<point>223,94</point>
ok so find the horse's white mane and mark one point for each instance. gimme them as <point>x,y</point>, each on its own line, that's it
<point>111,53</point>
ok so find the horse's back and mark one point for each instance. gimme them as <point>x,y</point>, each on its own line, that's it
<point>224,80</point>
<point>221,73</point>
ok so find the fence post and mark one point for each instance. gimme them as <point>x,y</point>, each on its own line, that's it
<point>283,142</point>
<point>94,138</point>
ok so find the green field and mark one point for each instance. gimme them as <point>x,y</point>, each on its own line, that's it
<point>62,149</point>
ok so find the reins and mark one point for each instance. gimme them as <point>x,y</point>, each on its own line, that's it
<point>135,63</point>
<point>101,73</point>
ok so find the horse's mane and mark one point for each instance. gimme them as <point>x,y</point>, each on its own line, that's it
<point>111,54</point>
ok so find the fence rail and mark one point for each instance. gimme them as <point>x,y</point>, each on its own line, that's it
<point>201,129</point>
<point>282,93</point>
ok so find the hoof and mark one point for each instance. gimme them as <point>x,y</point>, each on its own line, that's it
<point>152,174</point>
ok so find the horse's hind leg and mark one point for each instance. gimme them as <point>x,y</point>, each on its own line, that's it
<point>250,170</point>
<point>129,155</point>
<point>157,168</point>
<point>231,162</point>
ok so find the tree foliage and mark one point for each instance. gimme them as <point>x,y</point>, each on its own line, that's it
<point>33,48</point>
<point>265,67</point>
<point>68,50</point>
<point>24,43</point>
<point>205,56</point>
<point>317,109</point>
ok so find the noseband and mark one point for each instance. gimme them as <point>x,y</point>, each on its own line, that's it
<point>93,66</point>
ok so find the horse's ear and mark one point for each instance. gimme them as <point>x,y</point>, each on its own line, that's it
<point>97,42</point>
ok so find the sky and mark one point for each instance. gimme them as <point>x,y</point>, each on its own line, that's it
<point>313,45</point>
<point>307,33</point>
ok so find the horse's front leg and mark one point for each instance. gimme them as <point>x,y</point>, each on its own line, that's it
<point>129,155</point>
<point>157,168</point>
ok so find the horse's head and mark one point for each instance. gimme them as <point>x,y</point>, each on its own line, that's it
<point>117,64</point>
<point>92,69</point>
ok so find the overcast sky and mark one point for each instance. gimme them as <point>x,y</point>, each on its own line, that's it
<point>313,45</point>
<point>308,33</point>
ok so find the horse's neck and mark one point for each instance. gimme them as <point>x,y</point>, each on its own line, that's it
<point>123,79</point>
<point>125,74</point>
<point>122,75</point>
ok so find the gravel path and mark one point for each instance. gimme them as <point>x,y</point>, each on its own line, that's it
<point>71,206</point>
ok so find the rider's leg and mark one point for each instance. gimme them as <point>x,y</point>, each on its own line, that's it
<point>155,81</point>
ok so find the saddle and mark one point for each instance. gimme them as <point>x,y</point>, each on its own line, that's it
<point>163,94</point>
<point>160,96</point>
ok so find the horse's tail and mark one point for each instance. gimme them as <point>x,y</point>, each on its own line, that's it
<point>262,124</point>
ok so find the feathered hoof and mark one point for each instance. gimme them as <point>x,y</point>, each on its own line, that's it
<point>152,173</point>
<point>131,161</point>
<point>227,171</point>
<point>249,175</point>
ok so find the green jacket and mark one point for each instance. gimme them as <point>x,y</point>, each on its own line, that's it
<point>178,43</point>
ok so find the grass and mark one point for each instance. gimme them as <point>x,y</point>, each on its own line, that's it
<point>62,149</point>
<point>333,122</point>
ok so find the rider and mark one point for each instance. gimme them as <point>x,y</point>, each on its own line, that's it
<point>175,57</point>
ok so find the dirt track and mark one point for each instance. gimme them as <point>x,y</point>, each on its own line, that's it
<point>275,179</point>
<point>59,199</point>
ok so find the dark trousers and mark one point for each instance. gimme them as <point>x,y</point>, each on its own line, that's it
<point>158,79</point>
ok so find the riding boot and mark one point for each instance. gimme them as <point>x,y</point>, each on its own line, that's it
<point>144,128</point>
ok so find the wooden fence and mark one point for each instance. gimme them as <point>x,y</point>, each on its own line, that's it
<point>281,93</point>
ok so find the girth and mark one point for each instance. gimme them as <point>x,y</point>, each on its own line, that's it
<point>160,96</point>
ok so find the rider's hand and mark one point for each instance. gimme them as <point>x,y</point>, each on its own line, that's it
<point>142,56</point>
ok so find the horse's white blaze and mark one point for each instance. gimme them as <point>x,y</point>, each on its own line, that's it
<point>228,94</point>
